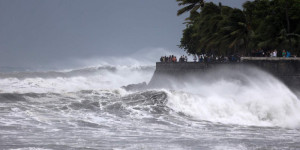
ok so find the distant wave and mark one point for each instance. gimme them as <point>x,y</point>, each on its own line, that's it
<point>103,77</point>
<point>72,73</point>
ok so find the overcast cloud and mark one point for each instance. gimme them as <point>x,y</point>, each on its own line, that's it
<point>37,33</point>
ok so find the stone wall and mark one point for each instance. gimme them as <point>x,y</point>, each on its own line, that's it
<point>286,69</point>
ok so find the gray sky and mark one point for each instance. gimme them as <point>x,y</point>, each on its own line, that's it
<point>42,32</point>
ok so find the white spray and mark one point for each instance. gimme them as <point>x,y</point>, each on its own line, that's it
<point>250,97</point>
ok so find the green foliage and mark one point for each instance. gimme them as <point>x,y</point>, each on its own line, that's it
<point>191,5</point>
<point>266,24</point>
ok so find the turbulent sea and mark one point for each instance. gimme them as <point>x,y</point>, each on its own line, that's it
<point>88,109</point>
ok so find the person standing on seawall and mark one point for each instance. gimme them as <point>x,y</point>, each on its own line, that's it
<point>283,53</point>
<point>288,54</point>
<point>274,53</point>
<point>195,58</point>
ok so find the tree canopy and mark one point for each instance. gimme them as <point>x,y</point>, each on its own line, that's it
<point>222,30</point>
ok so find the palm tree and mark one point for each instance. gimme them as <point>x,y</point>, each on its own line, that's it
<point>192,5</point>
<point>221,29</point>
<point>237,30</point>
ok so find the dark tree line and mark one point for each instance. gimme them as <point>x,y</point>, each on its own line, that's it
<point>222,30</point>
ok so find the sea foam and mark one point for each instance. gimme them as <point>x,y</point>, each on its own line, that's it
<point>248,97</point>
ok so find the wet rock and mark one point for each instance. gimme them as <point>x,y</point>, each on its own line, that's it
<point>135,87</point>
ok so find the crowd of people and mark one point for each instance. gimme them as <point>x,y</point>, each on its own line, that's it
<point>231,58</point>
<point>173,58</point>
<point>271,53</point>
<point>201,58</point>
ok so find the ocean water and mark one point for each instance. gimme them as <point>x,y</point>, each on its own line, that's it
<point>88,109</point>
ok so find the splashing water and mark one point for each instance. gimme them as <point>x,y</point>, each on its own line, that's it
<point>250,97</point>
<point>87,109</point>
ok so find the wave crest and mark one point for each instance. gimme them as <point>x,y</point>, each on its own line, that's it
<point>249,97</point>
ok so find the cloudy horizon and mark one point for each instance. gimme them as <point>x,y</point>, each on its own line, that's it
<point>52,33</point>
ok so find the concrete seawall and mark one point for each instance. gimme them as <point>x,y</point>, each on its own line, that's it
<point>285,69</point>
